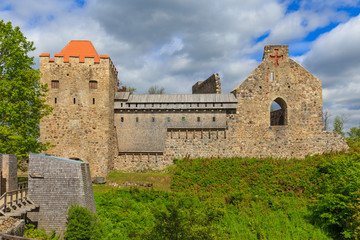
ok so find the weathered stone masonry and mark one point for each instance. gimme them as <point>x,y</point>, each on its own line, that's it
<point>129,132</point>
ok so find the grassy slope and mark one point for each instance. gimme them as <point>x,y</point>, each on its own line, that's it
<point>217,199</point>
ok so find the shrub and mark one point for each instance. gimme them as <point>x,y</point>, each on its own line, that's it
<point>82,224</point>
<point>32,232</point>
<point>336,207</point>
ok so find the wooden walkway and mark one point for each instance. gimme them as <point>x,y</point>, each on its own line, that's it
<point>16,203</point>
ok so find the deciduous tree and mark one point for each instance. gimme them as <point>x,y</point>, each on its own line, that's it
<point>22,96</point>
<point>156,90</point>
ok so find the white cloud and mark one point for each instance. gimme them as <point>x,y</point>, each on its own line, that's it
<point>175,43</point>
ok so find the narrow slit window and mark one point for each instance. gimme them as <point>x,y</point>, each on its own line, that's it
<point>214,119</point>
<point>153,119</point>
<point>55,84</point>
<point>93,100</point>
<point>55,100</point>
<point>183,119</point>
<point>74,100</point>
<point>122,119</point>
<point>137,119</point>
<point>93,84</point>
<point>198,119</point>
<point>272,76</point>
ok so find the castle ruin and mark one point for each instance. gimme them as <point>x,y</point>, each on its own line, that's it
<point>114,130</point>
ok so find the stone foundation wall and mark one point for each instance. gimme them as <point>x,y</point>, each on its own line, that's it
<point>141,161</point>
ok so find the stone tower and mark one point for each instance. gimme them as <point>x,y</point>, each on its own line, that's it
<point>82,87</point>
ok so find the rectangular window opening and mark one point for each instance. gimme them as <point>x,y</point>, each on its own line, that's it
<point>55,100</point>
<point>214,119</point>
<point>168,119</point>
<point>137,119</point>
<point>74,100</point>
<point>55,83</point>
<point>183,119</point>
<point>272,76</point>
<point>198,119</point>
<point>93,100</point>
<point>93,84</point>
<point>122,119</point>
<point>153,119</point>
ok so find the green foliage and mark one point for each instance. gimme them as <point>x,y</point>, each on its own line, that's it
<point>263,177</point>
<point>82,224</point>
<point>312,198</point>
<point>128,89</point>
<point>32,232</point>
<point>22,98</point>
<point>354,138</point>
<point>339,125</point>
<point>336,205</point>
<point>140,214</point>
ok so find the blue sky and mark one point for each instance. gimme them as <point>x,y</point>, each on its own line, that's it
<point>173,44</point>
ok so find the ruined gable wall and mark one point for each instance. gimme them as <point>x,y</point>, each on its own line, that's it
<point>210,85</point>
<point>82,122</point>
<point>302,93</point>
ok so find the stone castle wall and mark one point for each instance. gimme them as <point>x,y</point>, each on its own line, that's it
<point>81,125</point>
<point>139,135</point>
<point>249,131</point>
<point>210,85</point>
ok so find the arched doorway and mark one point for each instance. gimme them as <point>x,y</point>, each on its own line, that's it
<point>278,112</point>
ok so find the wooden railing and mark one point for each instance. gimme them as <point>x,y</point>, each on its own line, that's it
<point>10,237</point>
<point>13,200</point>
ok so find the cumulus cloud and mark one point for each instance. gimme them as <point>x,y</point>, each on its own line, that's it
<point>334,58</point>
<point>173,44</point>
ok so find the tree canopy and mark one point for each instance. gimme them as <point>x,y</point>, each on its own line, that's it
<point>156,90</point>
<point>22,96</point>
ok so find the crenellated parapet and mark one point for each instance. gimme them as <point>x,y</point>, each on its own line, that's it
<point>60,59</point>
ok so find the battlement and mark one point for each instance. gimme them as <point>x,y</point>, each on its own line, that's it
<point>78,51</point>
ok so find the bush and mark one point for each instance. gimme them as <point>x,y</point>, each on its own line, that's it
<point>32,232</point>
<point>337,207</point>
<point>82,224</point>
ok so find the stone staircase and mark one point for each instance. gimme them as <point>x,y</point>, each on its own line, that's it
<point>16,203</point>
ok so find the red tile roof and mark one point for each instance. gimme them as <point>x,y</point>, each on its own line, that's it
<point>79,48</point>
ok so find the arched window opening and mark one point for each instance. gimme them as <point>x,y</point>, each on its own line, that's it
<point>278,112</point>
